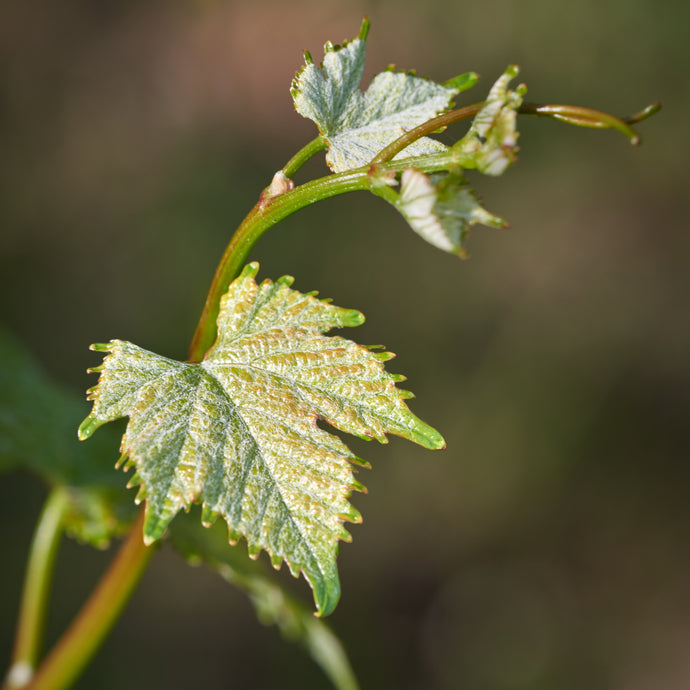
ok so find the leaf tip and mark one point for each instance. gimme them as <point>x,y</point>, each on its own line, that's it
<point>208,516</point>
<point>364,29</point>
<point>512,71</point>
<point>462,82</point>
<point>326,595</point>
<point>352,317</point>
<point>283,281</point>
<point>358,486</point>
<point>101,347</point>
<point>250,270</point>
<point>426,436</point>
<point>154,526</point>
<point>360,462</point>
<point>436,441</point>
<point>86,428</point>
<point>353,515</point>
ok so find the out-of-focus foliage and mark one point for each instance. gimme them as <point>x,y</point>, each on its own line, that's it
<point>273,604</point>
<point>37,420</point>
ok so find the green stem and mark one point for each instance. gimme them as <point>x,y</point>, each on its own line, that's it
<point>269,212</point>
<point>436,124</point>
<point>260,219</point>
<point>81,640</point>
<point>79,643</point>
<point>265,215</point>
<point>574,115</point>
<point>643,114</point>
<point>32,610</point>
<point>303,155</point>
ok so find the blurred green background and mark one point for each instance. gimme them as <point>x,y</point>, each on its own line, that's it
<point>549,545</point>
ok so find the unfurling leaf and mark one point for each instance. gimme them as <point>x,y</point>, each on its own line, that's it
<point>238,432</point>
<point>356,125</point>
<point>490,145</point>
<point>442,208</point>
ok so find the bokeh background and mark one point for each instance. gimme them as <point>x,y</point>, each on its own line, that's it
<point>549,545</point>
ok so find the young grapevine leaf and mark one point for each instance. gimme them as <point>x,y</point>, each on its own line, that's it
<point>442,207</point>
<point>490,146</point>
<point>238,432</point>
<point>356,125</point>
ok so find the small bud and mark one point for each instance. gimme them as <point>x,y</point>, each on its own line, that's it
<point>382,178</point>
<point>280,184</point>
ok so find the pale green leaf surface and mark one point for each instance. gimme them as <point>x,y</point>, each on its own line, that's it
<point>37,423</point>
<point>273,604</point>
<point>356,125</point>
<point>441,208</point>
<point>490,145</point>
<point>238,431</point>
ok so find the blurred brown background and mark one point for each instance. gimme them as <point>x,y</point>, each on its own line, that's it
<point>549,546</point>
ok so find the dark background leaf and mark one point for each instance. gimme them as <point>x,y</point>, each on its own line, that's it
<point>38,421</point>
<point>548,545</point>
<point>272,602</point>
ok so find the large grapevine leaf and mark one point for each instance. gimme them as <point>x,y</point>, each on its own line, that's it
<point>238,432</point>
<point>356,125</point>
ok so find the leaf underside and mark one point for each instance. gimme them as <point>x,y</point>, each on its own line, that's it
<point>356,125</point>
<point>238,432</point>
<point>442,207</point>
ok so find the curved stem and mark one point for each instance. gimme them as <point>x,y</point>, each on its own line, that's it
<point>32,610</point>
<point>428,127</point>
<point>260,219</point>
<point>643,114</point>
<point>264,216</point>
<point>303,155</point>
<point>583,117</point>
<point>574,115</point>
<point>595,119</point>
<point>81,640</point>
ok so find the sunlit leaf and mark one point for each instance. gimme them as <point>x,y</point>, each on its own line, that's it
<point>356,125</point>
<point>238,432</point>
